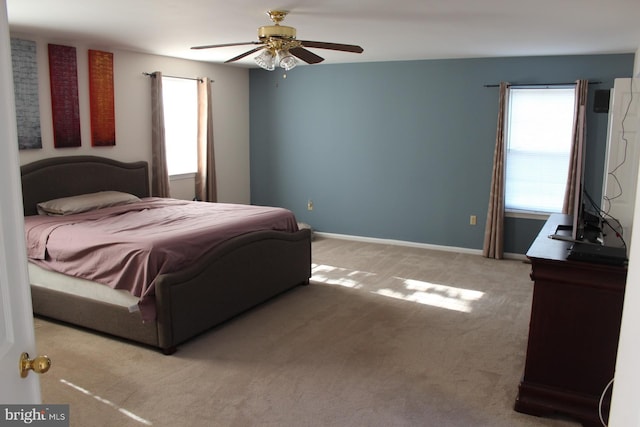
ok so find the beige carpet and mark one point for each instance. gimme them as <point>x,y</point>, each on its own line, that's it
<point>384,336</point>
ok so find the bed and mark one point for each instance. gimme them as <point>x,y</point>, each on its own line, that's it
<point>227,279</point>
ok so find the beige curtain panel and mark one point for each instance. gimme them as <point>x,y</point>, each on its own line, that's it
<point>159,173</point>
<point>494,229</point>
<point>577,145</point>
<point>206,174</point>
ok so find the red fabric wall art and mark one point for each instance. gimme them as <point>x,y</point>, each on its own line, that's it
<point>63,75</point>
<point>103,122</point>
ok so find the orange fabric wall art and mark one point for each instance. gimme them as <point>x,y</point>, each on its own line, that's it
<point>101,99</point>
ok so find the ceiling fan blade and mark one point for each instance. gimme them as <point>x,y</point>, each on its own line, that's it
<point>210,46</point>
<point>332,46</point>
<point>306,55</point>
<point>242,55</point>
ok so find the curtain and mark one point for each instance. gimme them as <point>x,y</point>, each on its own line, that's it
<point>159,174</point>
<point>577,144</point>
<point>206,175</point>
<point>494,229</point>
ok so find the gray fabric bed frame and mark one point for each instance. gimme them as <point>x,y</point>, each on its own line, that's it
<point>234,277</point>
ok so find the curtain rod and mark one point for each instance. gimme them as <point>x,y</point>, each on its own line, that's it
<point>542,84</point>
<point>177,77</point>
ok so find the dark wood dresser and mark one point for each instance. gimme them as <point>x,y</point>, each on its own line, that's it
<point>573,332</point>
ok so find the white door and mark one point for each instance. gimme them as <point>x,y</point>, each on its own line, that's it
<point>625,410</point>
<point>16,318</point>
<point>623,153</point>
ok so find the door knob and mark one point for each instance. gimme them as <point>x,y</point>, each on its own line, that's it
<point>40,364</point>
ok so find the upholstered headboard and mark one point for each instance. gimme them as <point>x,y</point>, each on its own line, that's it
<point>57,177</point>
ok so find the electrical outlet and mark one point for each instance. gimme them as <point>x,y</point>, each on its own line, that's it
<point>473,220</point>
<point>310,205</point>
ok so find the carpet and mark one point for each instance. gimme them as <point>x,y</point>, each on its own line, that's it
<point>384,335</point>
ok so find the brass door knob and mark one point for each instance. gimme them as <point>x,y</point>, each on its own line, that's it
<point>40,364</point>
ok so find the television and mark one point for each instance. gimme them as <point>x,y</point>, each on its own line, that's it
<point>575,231</point>
<point>585,226</point>
<point>577,220</point>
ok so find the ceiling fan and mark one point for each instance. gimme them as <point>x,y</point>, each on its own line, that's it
<point>278,43</point>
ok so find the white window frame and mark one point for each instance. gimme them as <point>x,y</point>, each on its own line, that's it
<point>180,100</point>
<point>561,147</point>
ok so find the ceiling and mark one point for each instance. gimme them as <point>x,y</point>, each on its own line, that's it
<point>388,31</point>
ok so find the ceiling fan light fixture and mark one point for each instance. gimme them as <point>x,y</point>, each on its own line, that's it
<point>266,60</point>
<point>287,60</point>
<point>276,43</point>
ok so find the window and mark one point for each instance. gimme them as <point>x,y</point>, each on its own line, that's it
<point>180,98</point>
<point>538,143</point>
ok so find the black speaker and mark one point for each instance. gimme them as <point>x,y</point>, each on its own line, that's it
<point>601,101</point>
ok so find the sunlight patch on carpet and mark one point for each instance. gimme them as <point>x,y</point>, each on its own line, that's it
<point>339,276</point>
<point>107,402</point>
<point>411,290</point>
<point>433,294</point>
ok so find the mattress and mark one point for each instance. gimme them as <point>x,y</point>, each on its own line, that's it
<point>52,280</point>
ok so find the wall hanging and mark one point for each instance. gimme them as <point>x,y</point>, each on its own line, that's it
<point>101,99</point>
<point>63,74</point>
<point>25,83</point>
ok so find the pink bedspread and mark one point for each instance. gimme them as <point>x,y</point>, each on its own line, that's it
<point>127,247</point>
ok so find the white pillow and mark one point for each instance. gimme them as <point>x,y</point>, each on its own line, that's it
<point>85,202</point>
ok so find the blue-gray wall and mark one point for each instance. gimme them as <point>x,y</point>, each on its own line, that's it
<point>402,150</point>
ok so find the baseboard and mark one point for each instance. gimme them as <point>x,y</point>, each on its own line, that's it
<point>456,249</point>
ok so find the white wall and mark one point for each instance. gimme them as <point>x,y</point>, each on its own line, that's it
<point>133,114</point>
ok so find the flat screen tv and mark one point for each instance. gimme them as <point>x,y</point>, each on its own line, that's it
<point>573,232</point>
